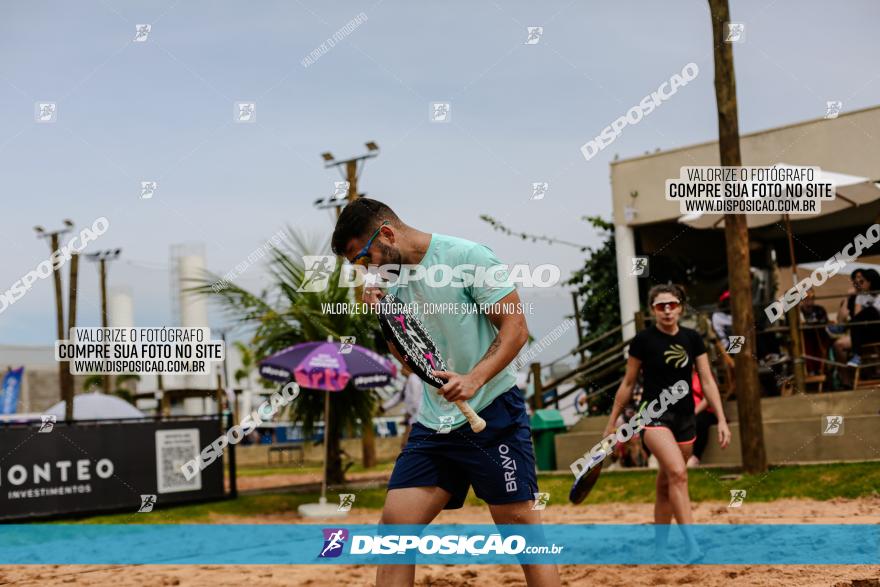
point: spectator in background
(812, 312)
(705, 417)
(766, 344)
(860, 306)
(411, 397)
(816, 340)
(722, 321)
(842, 341)
(631, 453)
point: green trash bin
(546, 424)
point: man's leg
(412, 505)
(521, 512)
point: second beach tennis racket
(583, 485)
(415, 345)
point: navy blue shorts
(498, 462)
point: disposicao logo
(334, 540)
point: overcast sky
(163, 110)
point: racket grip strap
(476, 422)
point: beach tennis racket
(584, 484)
(418, 350)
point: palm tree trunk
(335, 474)
(368, 444)
(748, 393)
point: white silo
(120, 307)
(189, 310)
(120, 314)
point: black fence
(55, 469)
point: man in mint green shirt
(463, 296)
(462, 333)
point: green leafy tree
(597, 288)
(282, 315)
(248, 364)
(596, 284)
(95, 382)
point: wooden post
(794, 323)
(71, 313)
(218, 396)
(63, 379)
(166, 404)
(538, 398)
(640, 321)
(748, 393)
(797, 349)
(160, 397)
(102, 267)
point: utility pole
(64, 381)
(351, 173)
(71, 305)
(102, 257)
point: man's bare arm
(512, 335)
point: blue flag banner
(728, 544)
(10, 391)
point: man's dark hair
(359, 219)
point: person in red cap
(722, 321)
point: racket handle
(476, 422)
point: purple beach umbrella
(323, 365)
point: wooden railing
(594, 367)
(598, 366)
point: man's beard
(390, 256)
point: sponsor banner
(730, 544)
(95, 467)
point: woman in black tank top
(666, 354)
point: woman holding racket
(666, 353)
(443, 457)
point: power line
(497, 225)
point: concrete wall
(792, 431)
(40, 389)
